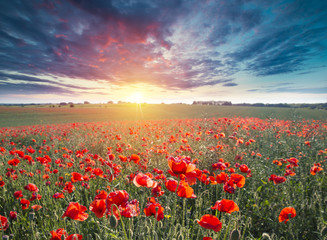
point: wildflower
(222, 178)
(154, 208)
(238, 179)
(144, 180)
(25, 203)
(180, 166)
(36, 207)
(171, 185)
(58, 195)
(276, 179)
(74, 237)
(135, 158)
(31, 187)
(4, 223)
(225, 205)
(56, 235)
(76, 177)
(316, 168)
(98, 207)
(18, 194)
(13, 162)
(13, 215)
(286, 214)
(156, 191)
(184, 190)
(210, 222)
(76, 211)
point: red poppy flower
(222, 178)
(171, 185)
(225, 205)
(69, 187)
(144, 180)
(18, 194)
(286, 214)
(58, 195)
(230, 187)
(36, 207)
(13, 162)
(117, 197)
(207, 238)
(156, 191)
(76, 211)
(4, 223)
(244, 168)
(76, 177)
(35, 196)
(276, 179)
(122, 158)
(13, 215)
(238, 179)
(25, 203)
(129, 209)
(219, 165)
(31, 187)
(316, 168)
(154, 208)
(185, 191)
(98, 207)
(98, 172)
(56, 235)
(210, 222)
(180, 166)
(135, 158)
(102, 195)
(74, 237)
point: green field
(43, 114)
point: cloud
(230, 84)
(32, 88)
(17, 77)
(172, 44)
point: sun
(136, 97)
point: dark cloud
(291, 38)
(32, 88)
(230, 84)
(16, 77)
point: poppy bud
(235, 235)
(113, 221)
(31, 216)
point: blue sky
(163, 51)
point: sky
(170, 51)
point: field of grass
(34, 115)
(162, 179)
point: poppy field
(211, 178)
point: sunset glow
(172, 51)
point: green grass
(34, 115)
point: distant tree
(227, 104)
(86, 102)
(110, 102)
